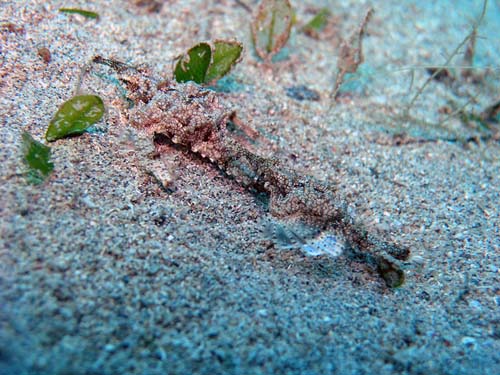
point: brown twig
(351, 54)
(244, 5)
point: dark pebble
(301, 92)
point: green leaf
(318, 23)
(225, 55)
(81, 12)
(193, 65)
(75, 116)
(36, 156)
(271, 27)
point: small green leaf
(318, 23)
(75, 116)
(36, 156)
(225, 55)
(193, 65)
(81, 12)
(271, 27)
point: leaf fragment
(271, 27)
(225, 55)
(75, 116)
(36, 157)
(317, 23)
(208, 61)
(81, 12)
(193, 65)
(351, 54)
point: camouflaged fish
(195, 119)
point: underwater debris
(36, 157)
(195, 120)
(44, 53)
(351, 54)
(492, 112)
(297, 234)
(193, 65)
(244, 5)
(317, 24)
(81, 12)
(12, 28)
(325, 243)
(225, 55)
(207, 62)
(441, 75)
(150, 6)
(302, 92)
(271, 27)
(468, 42)
(75, 116)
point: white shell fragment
(307, 238)
(324, 244)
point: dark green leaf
(193, 65)
(81, 12)
(225, 55)
(36, 156)
(75, 116)
(318, 23)
(271, 27)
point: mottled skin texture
(195, 119)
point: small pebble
(302, 92)
(262, 312)
(88, 202)
(160, 354)
(44, 53)
(469, 342)
(476, 305)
